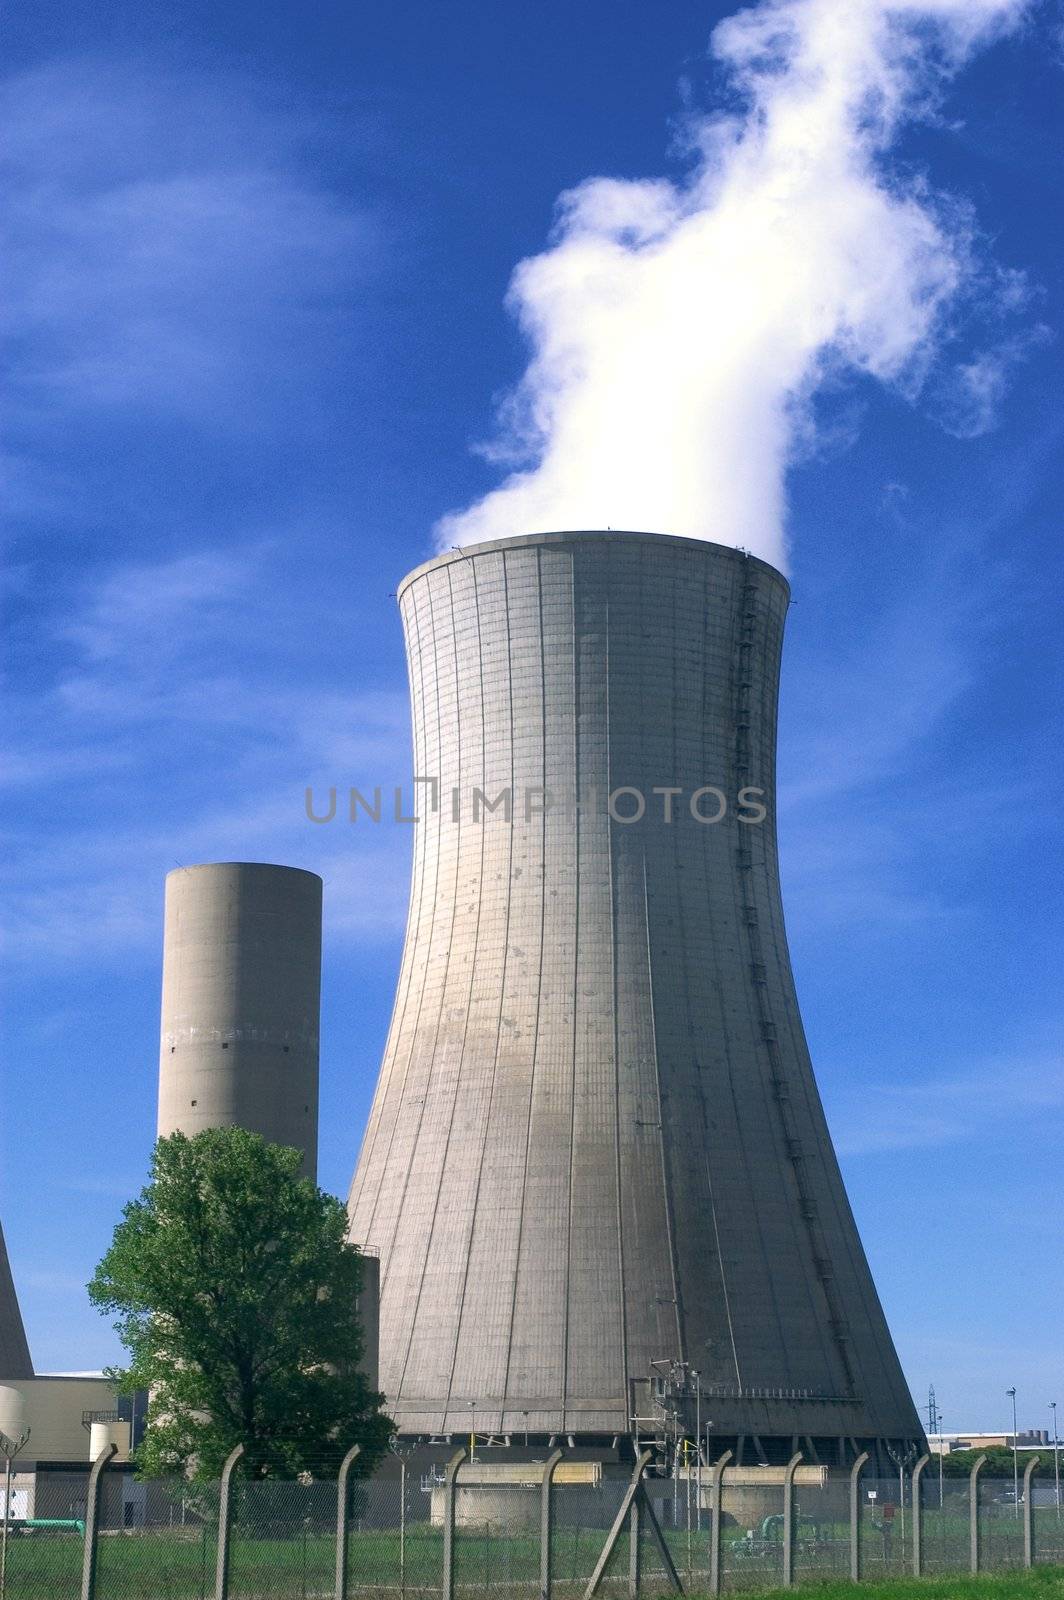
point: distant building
(70, 1417)
(1029, 1439)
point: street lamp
(1056, 1454)
(1015, 1454)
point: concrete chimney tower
(597, 1169)
(241, 1002)
(14, 1351)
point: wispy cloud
(680, 330)
(967, 400)
(870, 1113)
(185, 750)
(165, 246)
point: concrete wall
(14, 1351)
(596, 1140)
(241, 1003)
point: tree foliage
(235, 1291)
(999, 1463)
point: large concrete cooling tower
(597, 1161)
(14, 1351)
(241, 1002)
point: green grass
(1041, 1583)
(176, 1565)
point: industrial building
(67, 1418)
(597, 1170)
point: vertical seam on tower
(539, 976)
(679, 874)
(681, 907)
(419, 847)
(443, 989)
(476, 948)
(679, 1309)
(402, 994)
(670, 1227)
(729, 1068)
(610, 825)
(739, 755)
(576, 976)
(502, 995)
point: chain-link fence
(497, 1527)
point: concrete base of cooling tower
(507, 1494)
(750, 1493)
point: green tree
(959, 1463)
(235, 1291)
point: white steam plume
(678, 331)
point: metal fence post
(342, 1515)
(973, 1514)
(1028, 1514)
(448, 1521)
(788, 1518)
(855, 1517)
(546, 1524)
(634, 1484)
(635, 1549)
(225, 1520)
(717, 1518)
(918, 1518)
(92, 1521)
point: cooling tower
(597, 1162)
(14, 1351)
(241, 1000)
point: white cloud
(678, 331)
(969, 397)
(870, 1112)
(164, 246)
(162, 742)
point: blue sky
(257, 264)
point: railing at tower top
(724, 1391)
